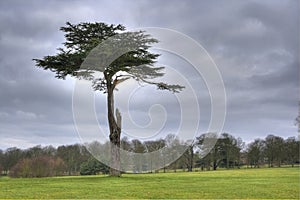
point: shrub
(42, 166)
(93, 167)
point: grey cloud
(254, 43)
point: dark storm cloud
(256, 46)
(254, 43)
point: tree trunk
(115, 134)
(215, 165)
(227, 158)
(191, 161)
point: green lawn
(276, 183)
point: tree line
(227, 152)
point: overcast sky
(255, 45)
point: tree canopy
(120, 56)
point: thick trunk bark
(115, 133)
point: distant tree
(153, 146)
(232, 147)
(255, 153)
(211, 156)
(173, 152)
(34, 152)
(274, 150)
(49, 151)
(238, 149)
(139, 161)
(93, 167)
(21, 169)
(41, 166)
(73, 156)
(59, 166)
(137, 63)
(126, 144)
(99, 150)
(1, 161)
(38, 150)
(10, 158)
(190, 157)
(291, 149)
(187, 158)
(226, 151)
(297, 120)
(138, 146)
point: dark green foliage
(82, 38)
(93, 167)
(85, 36)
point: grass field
(276, 183)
